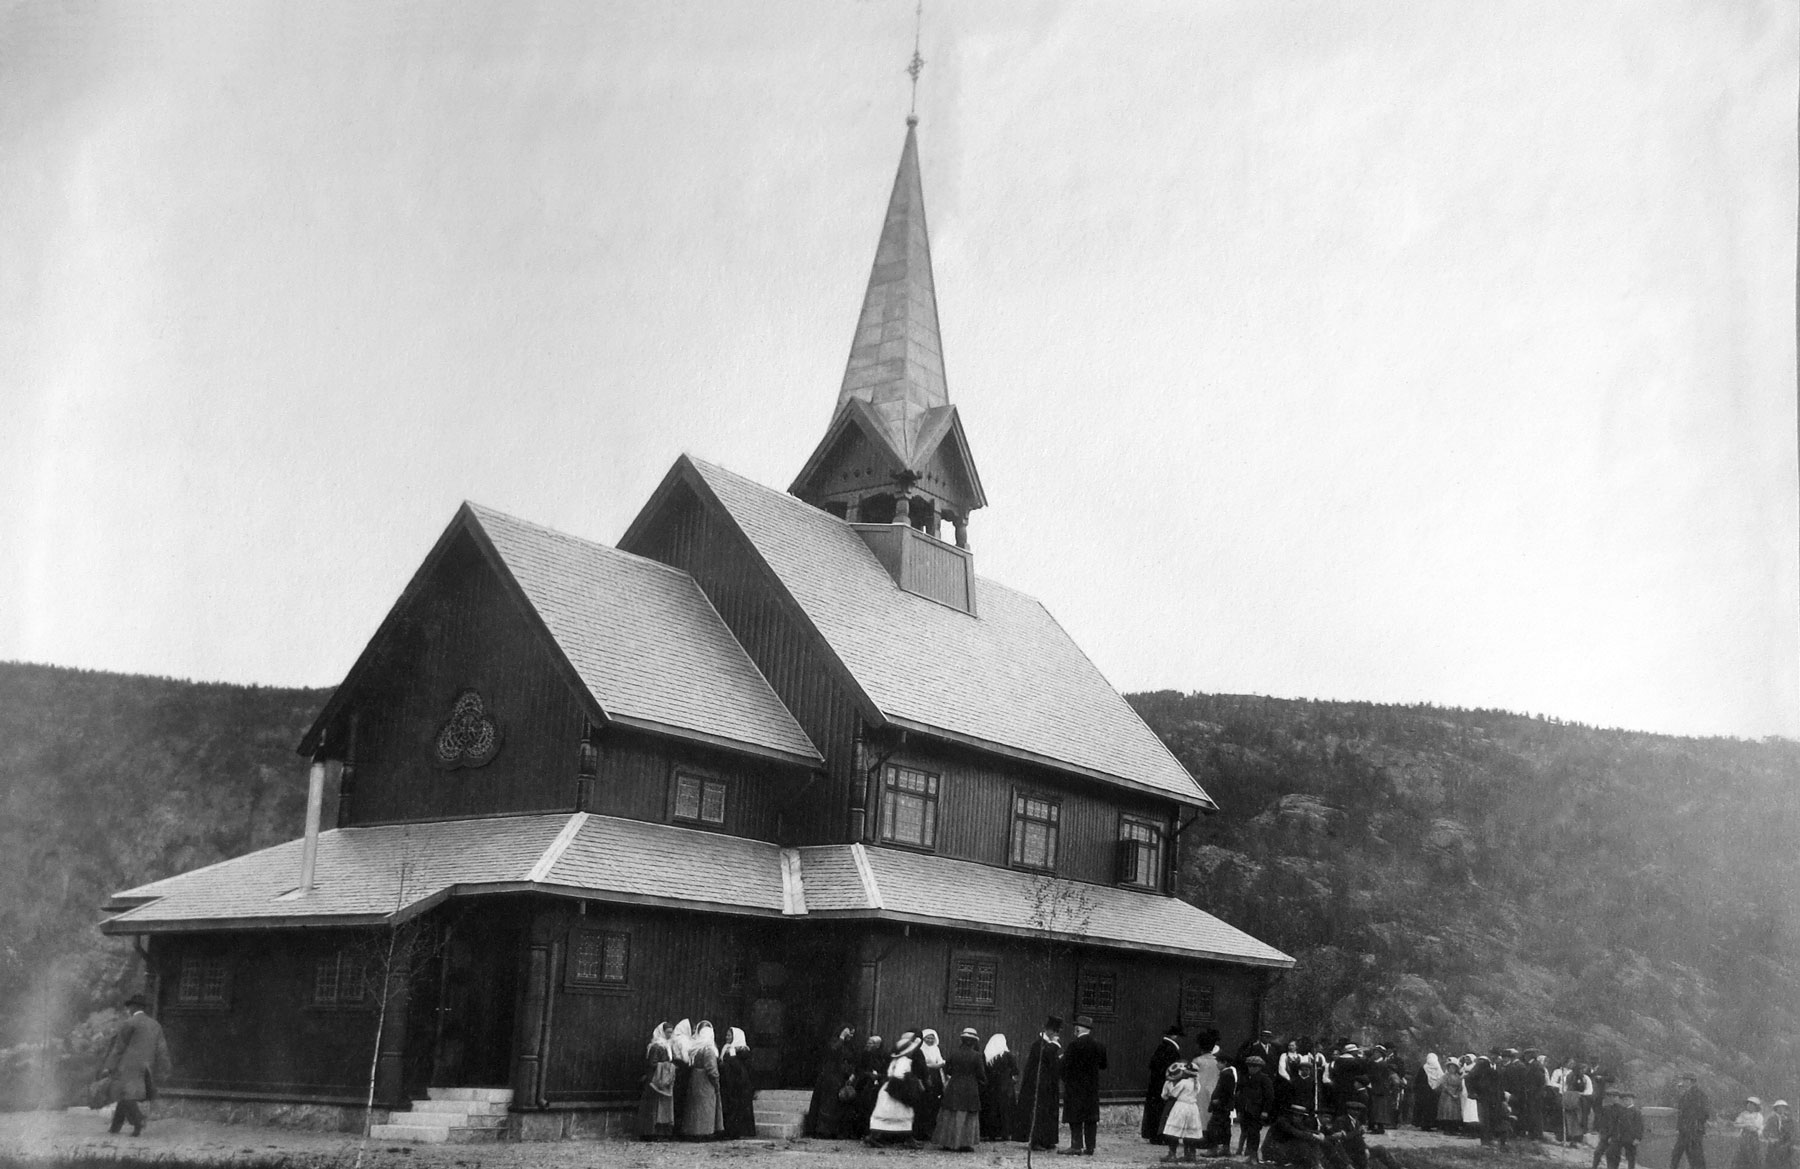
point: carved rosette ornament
(470, 738)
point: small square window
(699, 798)
(340, 979)
(909, 806)
(974, 982)
(1196, 1000)
(202, 982)
(1097, 992)
(600, 958)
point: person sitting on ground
(1295, 1139)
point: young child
(1627, 1131)
(1184, 1127)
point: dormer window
(699, 798)
(909, 801)
(1036, 824)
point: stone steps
(453, 1116)
(781, 1113)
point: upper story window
(204, 982)
(699, 798)
(909, 804)
(1140, 853)
(1034, 830)
(340, 979)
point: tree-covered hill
(1448, 878)
(1456, 879)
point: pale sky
(1394, 351)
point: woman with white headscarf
(1000, 1092)
(928, 1065)
(737, 1095)
(702, 1119)
(656, 1108)
(1425, 1093)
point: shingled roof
(391, 872)
(638, 638)
(1006, 676)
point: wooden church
(781, 760)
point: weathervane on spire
(915, 66)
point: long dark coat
(871, 1073)
(824, 1115)
(1081, 1068)
(1034, 1116)
(998, 1096)
(737, 1096)
(136, 1058)
(965, 1072)
(1167, 1052)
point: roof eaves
(719, 741)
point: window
(340, 979)
(1034, 831)
(202, 982)
(1140, 854)
(909, 807)
(699, 798)
(599, 958)
(1097, 992)
(974, 979)
(1196, 1001)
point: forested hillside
(1456, 879)
(1447, 878)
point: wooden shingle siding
(463, 632)
(726, 568)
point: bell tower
(895, 452)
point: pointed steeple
(897, 359)
(895, 449)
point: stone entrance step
(454, 1116)
(781, 1112)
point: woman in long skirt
(1425, 1093)
(958, 1125)
(928, 1065)
(702, 1118)
(836, 1072)
(1000, 1092)
(737, 1093)
(1450, 1098)
(656, 1108)
(1749, 1125)
(681, 1046)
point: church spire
(896, 358)
(895, 450)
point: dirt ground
(78, 1138)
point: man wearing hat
(1034, 1115)
(1262, 1044)
(1255, 1104)
(1168, 1051)
(1778, 1138)
(1606, 1124)
(1081, 1068)
(135, 1059)
(1692, 1111)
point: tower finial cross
(916, 66)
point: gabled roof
(939, 427)
(1007, 680)
(637, 639)
(392, 872)
(850, 880)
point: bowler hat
(1084, 1020)
(1053, 1023)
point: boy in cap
(1628, 1130)
(1255, 1101)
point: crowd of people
(1285, 1102)
(694, 1089)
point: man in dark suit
(1262, 1046)
(1081, 1068)
(1034, 1115)
(1167, 1053)
(136, 1058)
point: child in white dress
(1184, 1127)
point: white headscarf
(704, 1038)
(735, 1041)
(659, 1038)
(934, 1058)
(681, 1043)
(1434, 1071)
(996, 1047)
